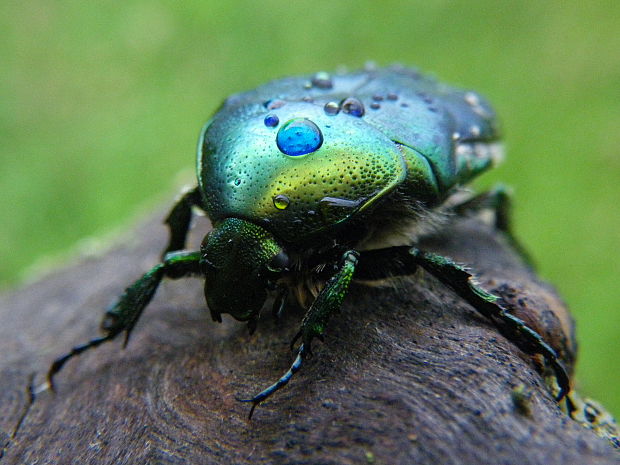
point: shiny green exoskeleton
(316, 180)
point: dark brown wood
(408, 374)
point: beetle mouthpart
(239, 259)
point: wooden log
(408, 373)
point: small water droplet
(339, 202)
(370, 66)
(331, 108)
(456, 136)
(307, 85)
(404, 105)
(322, 80)
(353, 107)
(377, 98)
(472, 99)
(237, 182)
(375, 106)
(271, 121)
(475, 131)
(281, 202)
(274, 104)
(308, 99)
(392, 96)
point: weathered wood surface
(408, 374)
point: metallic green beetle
(311, 181)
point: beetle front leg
(124, 314)
(179, 219)
(463, 283)
(313, 325)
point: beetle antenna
(258, 398)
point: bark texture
(408, 373)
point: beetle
(313, 181)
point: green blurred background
(101, 104)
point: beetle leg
(375, 264)
(179, 219)
(123, 315)
(286, 377)
(313, 325)
(464, 284)
(498, 200)
(279, 302)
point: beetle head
(240, 261)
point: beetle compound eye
(299, 136)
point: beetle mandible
(295, 176)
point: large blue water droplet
(299, 136)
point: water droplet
(307, 98)
(271, 121)
(307, 85)
(353, 107)
(404, 105)
(322, 80)
(377, 98)
(392, 96)
(456, 136)
(370, 66)
(281, 202)
(274, 104)
(331, 108)
(237, 182)
(334, 209)
(299, 136)
(339, 202)
(375, 106)
(475, 131)
(472, 99)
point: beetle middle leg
(374, 264)
(124, 314)
(179, 219)
(315, 321)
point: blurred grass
(101, 103)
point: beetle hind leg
(404, 260)
(463, 283)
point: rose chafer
(311, 182)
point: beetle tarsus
(57, 365)
(283, 381)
